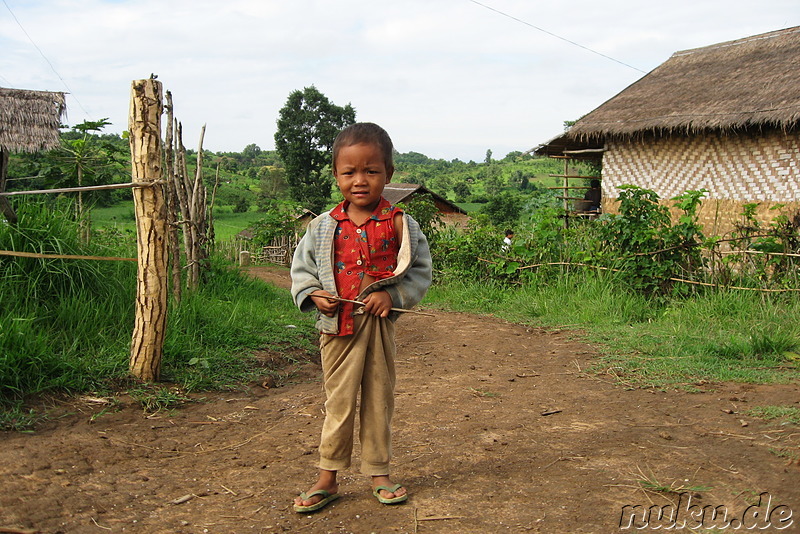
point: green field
(226, 223)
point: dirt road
(498, 428)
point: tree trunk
(144, 124)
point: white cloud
(448, 78)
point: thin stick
(82, 188)
(359, 303)
(60, 256)
(98, 525)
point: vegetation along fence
(161, 206)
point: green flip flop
(392, 489)
(327, 498)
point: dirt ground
(498, 428)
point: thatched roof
(579, 149)
(746, 83)
(29, 120)
(396, 192)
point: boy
(369, 251)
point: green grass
(226, 223)
(119, 216)
(66, 325)
(651, 483)
(784, 414)
(719, 336)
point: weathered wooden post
(144, 125)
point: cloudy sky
(447, 78)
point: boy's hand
(378, 303)
(325, 305)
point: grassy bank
(722, 335)
(66, 324)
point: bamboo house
(725, 118)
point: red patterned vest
(370, 248)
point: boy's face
(361, 175)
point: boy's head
(365, 133)
(509, 233)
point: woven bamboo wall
(735, 169)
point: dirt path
(498, 428)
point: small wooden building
(724, 117)
(450, 213)
(29, 122)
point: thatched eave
(745, 84)
(30, 120)
(565, 146)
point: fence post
(144, 125)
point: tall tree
(307, 127)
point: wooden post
(182, 186)
(566, 193)
(172, 203)
(5, 206)
(144, 124)
(197, 205)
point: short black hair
(368, 133)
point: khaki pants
(365, 361)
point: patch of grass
(786, 414)
(483, 394)
(651, 483)
(227, 224)
(15, 417)
(713, 336)
(213, 334)
(120, 216)
(155, 398)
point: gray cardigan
(312, 269)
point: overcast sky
(447, 78)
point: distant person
(507, 240)
(369, 252)
(593, 196)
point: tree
(504, 208)
(251, 152)
(271, 185)
(461, 189)
(88, 159)
(307, 127)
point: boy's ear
(389, 174)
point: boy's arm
(305, 274)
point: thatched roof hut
(30, 120)
(449, 212)
(725, 118)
